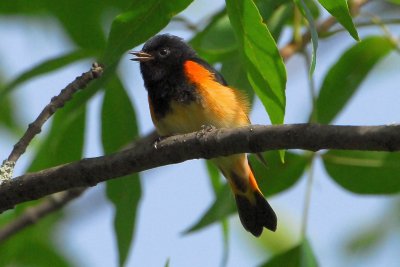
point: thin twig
(295, 46)
(307, 199)
(186, 23)
(312, 88)
(35, 127)
(361, 25)
(33, 214)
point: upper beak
(141, 56)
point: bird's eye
(163, 52)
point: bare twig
(186, 23)
(295, 46)
(218, 142)
(36, 126)
(32, 215)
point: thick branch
(204, 144)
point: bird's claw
(158, 140)
(205, 129)
(208, 128)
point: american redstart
(186, 93)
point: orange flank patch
(224, 106)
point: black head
(161, 56)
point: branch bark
(204, 144)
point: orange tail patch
(255, 213)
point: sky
(175, 196)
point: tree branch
(33, 214)
(203, 144)
(295, 46)
(6, 169)
(55, 201)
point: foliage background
(343, 229)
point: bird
(185, 94)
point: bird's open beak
(141, 56)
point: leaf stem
(360, 25)
(379, 22)
(312, 88)
(297, 26)
(307, 198)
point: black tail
(256, 216)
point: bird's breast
(181, 118)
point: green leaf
(347, 73)
(141, 21)
(299, 256)
(7, 111)
(364, 172)
(313, 30)
(119, 127)
(214, 175)
(235, 74)
(31, 252)
(217, 184)
(278, 176)
(279, 18)
(223, 206)
(119, 124)
(46, 67)
(32, 246)
(64, 142)
(268, 7)
(367, 240)
(41, 254)
(265, 69)
(217, 41)
(71, 14)
(125, 194)
(340, 10)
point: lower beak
(141, 56)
